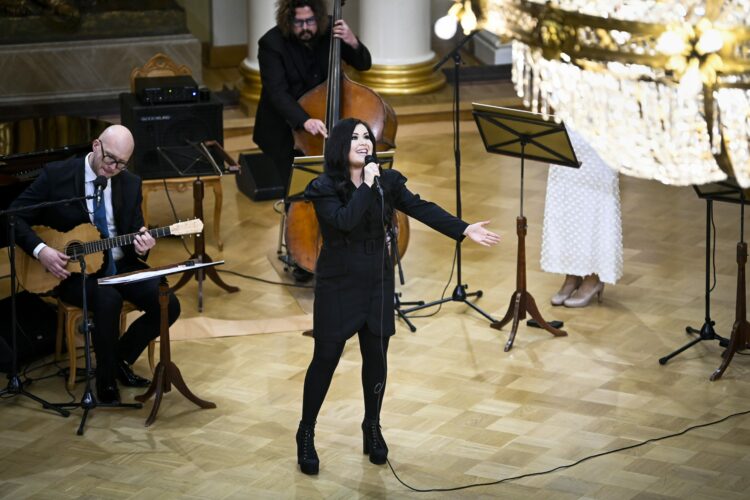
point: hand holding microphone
(372, 171)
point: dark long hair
(285, 14)
(338, 146)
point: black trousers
(105, 303)
(326, 355)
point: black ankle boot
(307, 458)
(373, 443)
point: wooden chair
(158, 65)
(68, 318)
(162, 65)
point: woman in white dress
(582, 234)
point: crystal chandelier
(660, 88)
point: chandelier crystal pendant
(660, 88)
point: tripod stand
(199, 252)
(166, 373)
(740, 338)
(88, 400)
(706, 331)
(397, 295)
(510, 132)
(459, 292)
(15, 385)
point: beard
(305, 36)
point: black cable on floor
(562, 467)
(442, 295)
(255, 278)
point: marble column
(398, 35)
(261, 16)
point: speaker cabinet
(168, 136)
(35, 337)
(258, 178)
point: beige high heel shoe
(584, 294)
(567, 289)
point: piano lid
(26, 145)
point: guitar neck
(119, 241)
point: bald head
(112, 150)
(119, 139)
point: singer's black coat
(354, 277)
(65, 179)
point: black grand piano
(26, 145)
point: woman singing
(354, 278)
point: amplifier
(167, 89)
(167, 136)
(259, 178)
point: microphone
(376, 181)
(99, 184)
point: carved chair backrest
(158, 65)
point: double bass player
(293, 58)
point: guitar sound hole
(74, 250)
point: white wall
(198, 13)
(229, 22)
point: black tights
(326, 357)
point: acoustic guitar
(84, 242)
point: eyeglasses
(110, 160)
(299, 23)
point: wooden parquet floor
(458, 410)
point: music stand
(199, 154)
(729, 192)
(740, 337)
(88, 400)
(521, 134)
(166, 372)
(459, 292)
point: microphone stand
(459, 292)
(15, 384)
(199, 245)
(88, 400)
(390, 232)
(392, 237)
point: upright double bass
(336, 98)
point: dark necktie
(100, 220)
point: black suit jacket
(65, 179)
(354, 275)
(288, 69)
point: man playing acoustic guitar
(116, 210)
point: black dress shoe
(107, 393)
(126, 376)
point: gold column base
(403, 79)
(249, 87)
